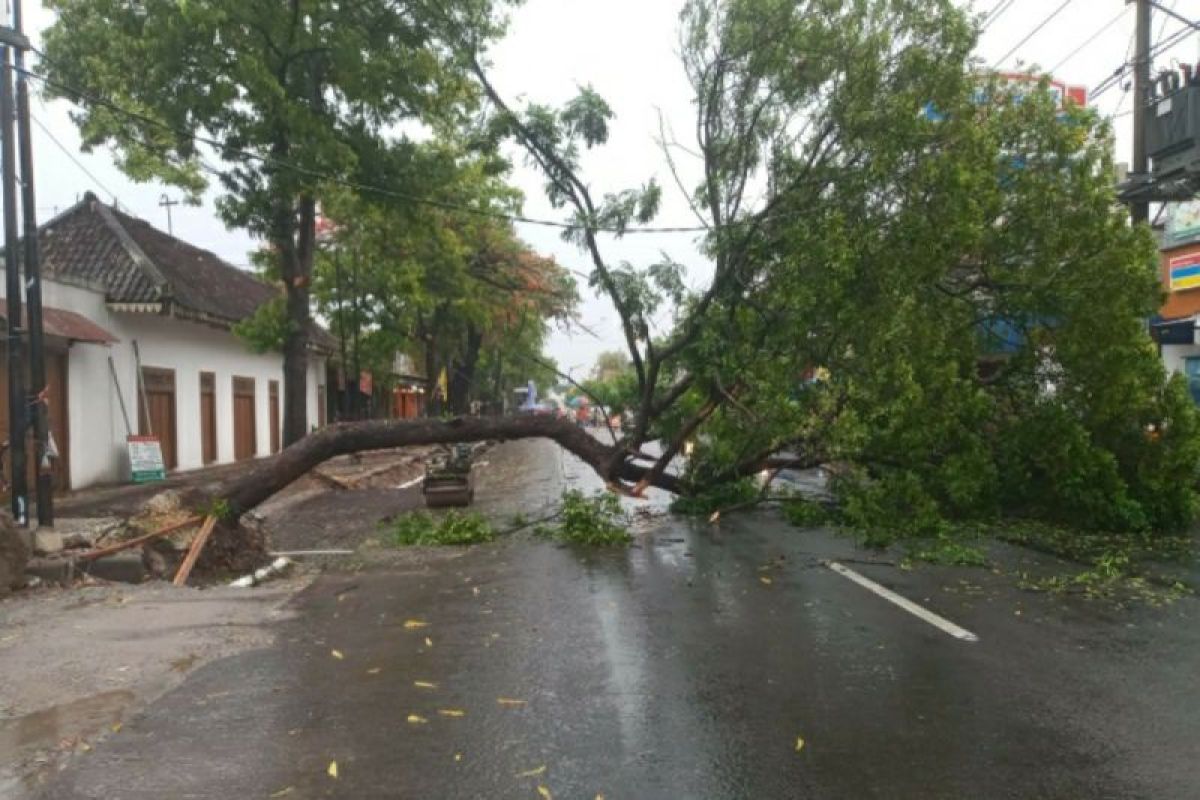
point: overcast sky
(627, 49)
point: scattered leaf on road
(799, 744)
(424, 685)
(337, 654)
(116, 727)
(766, 581)
(332, 771)
(544, 792)
(412, 624)
(508, 701)
(532, 773)
(452, 712)
(283, 792)
(458, 756)
(416, 719)
(428, 642)
(475, 589)
(374, 670)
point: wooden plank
(91, 555)
(193, 554)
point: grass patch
(451, 528)
(595, 521)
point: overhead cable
(1089, 40)
(1037, 29)
(228, 151)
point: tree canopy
(288, 96)
(949, 305)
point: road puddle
(22, 736)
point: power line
(1172, 12)
(1161, 47)
(1033, 32)
(67, 151)
(227, 151)
(996, 13)
(1090, 39)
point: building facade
(119, 294)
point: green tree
(963, 283)
(949, 305)
(461, 293)
(291, 94)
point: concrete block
(47, 541)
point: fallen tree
(245, 492)
(950, 304)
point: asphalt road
(672, 670)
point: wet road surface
(672, 670)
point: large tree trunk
(273, 474)
(463, 378)
(297, 276)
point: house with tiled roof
(124, 299)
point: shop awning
(1174, 331)
(65, 325)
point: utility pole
(166, 202)
(1140, 209)
(18, 485)
(33, 296)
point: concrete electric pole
(1140, 209)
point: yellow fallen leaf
(116, 727)
(766, 581)
(532, 773)
(424, 685)
(332, 771)
(716, 517)
(412, 624)
(374, 670)
(599, 797)
(337, 654)
(508, 701)
(544, 792)
(417, 720)
(458, 756)
(475, 590)
(452, 712)
(283, 792)
(428, 642)
(87, 748)
(799, 744)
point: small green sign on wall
(145, 459)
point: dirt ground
(78, 661)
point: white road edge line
(941, 623)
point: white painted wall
(1174, 355)
(97, 426)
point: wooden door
(273, 399)
(56, 403)
(208, 417)
(245, 429)
(156, 411)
